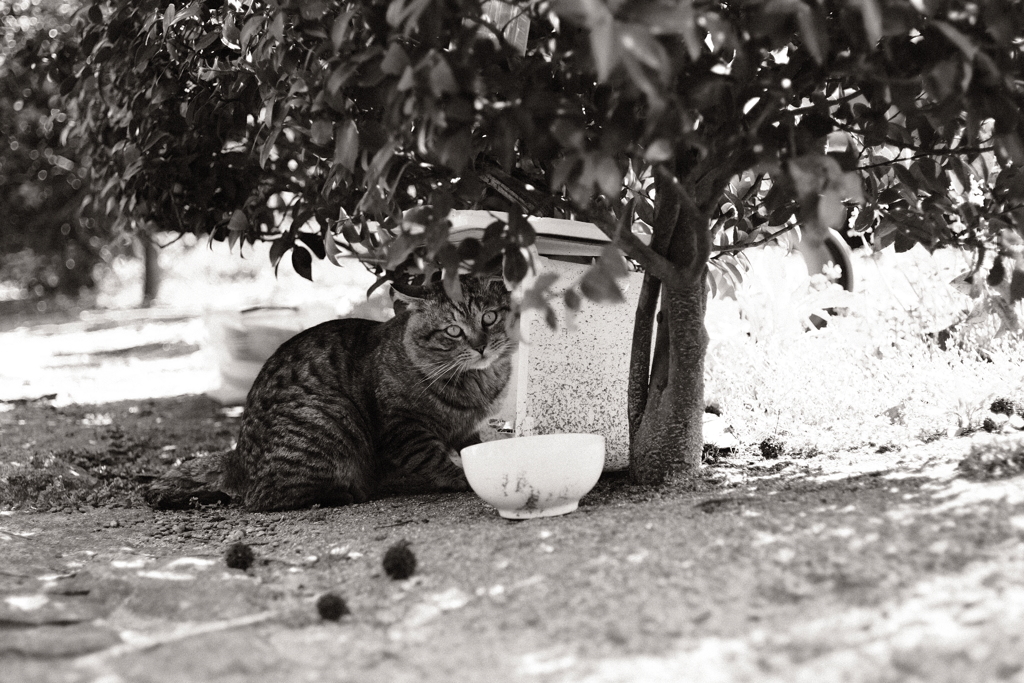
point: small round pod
(239, 556)
(399, 561)
(331, 607)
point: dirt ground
(865, 566)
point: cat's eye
(489, 317)
(453, 331)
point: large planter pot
(571, 379)
(242, 341)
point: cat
(344, 408)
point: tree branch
(927, 154)
(634, 248)
(666, 216)
(814, 107)
(638, 387)
(721, 251)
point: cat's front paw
(453, 483)
(451, 477)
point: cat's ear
(408, 290)
(492, 281)
(407, 293)
(498, 284)
(402, 301)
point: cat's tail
(200, 480)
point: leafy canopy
(319, 124)
(46, 244)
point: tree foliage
(356, 125)
(294, 120)
(46, 244)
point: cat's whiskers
(435, 372)
(462, 364)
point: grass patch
(999, 458)
(78, 457)
(875, 377)
(111, 476)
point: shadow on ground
(798, 569)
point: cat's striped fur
(349, 405)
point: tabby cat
(345, 407)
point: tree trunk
(151, 275)
(666, 388)
(670, 433)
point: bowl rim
(477, 449)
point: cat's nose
(478, 346)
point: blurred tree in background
(47, 245)
(331, 125)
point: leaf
(849, 186)
(315, 244)
(676, 18)
(814, 39)
(598, 283)
(613, 261)
(400, 12)
(169, 16)
(320, 131)
(89, 42)
(454, 151)
(550, 317)
(644, 209)
(468, 250)
(514, 267)
(1017, 284)
(452, 286)
(278, 248)
(997, 274)
(395, 60)
(349, 232)
(192, 11)
(442, 80)
(277, 26)
(638, 41)
(520, 229)
(806, 176)
(249, 29)
(608, 177)
(658, 151)
(604, 46)
(346, 145)
(1010, 147)
(96, 14)
(535, 296)
(380, 161)
(302, 262)
(572, 299)
(238, 221)
(68, 84)
(831, 211)
(871, 15)
(962, 42)
(268, 146)
(206, 41)
(229, 32)
(313, 10)
(339, 30)
(903, 242)
(399, 249)
(331, 250)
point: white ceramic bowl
(535, 476)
